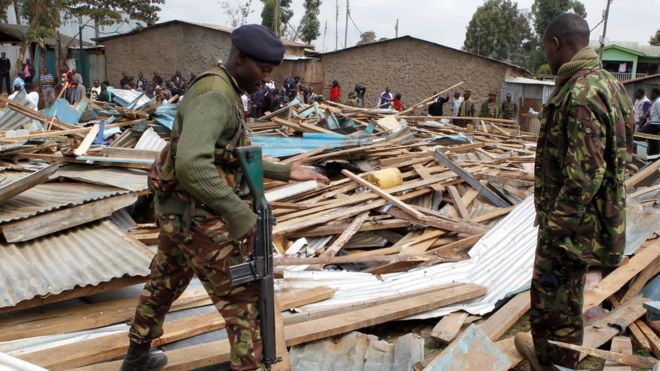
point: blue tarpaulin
(277, 146)
(165, 114)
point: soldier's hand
(300, 172)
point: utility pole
(348, 12)
(396, 28)
(337, 27)
(325, 31)
(602, 38)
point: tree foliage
(545, 11)
(268, 12)
(237, 11)
(655, 40)
(310, 25)
(498, 30)
(367, 38)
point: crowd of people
(269, 97)
(647, 117)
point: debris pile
(421, 219)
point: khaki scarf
(586, 58)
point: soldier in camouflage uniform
(205, 226)
(491, 108)
(579, 193)
(466, 109)
(509, 108)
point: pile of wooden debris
(421, 219)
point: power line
(352, 21)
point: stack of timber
(421, 219)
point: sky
(439, 21)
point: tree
(655, 40)
(498, 30)
(237, 11)
(310, 25)
(44, 17)
(367, 38)
(268, 12)
(546, 10)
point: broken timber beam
(490, 195)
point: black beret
(259, 43)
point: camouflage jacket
(579, 192)
(492, 110)
(509, 110)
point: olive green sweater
(207, 120)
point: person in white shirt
(246, 105)
(385, 99)
(456, 103)
(642, 106)
(95, 91)
(32, 98)
(652, 126)
(270, 85)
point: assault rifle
(260, 267)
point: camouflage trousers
(207, 252)
(557, 299)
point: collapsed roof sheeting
(88, 255)
(134, 180)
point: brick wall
(413, 68)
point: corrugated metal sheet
(52, 196)
(134, 180)
(150, 140)
(501, 261)
(10, 119)
(79, 257)
(278, 146)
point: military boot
(525, 346)
(139, 358)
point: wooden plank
(115, 284)
(331, 251)
(458, 203)
(500, 322)
(623, 359)
(440, 223)
(141, 154)
(457, 247)
(349, 259)
(493, 214)
(622, 275)
(305, 155)
(280, 341)
(384, 194)
(448, 327)
(86, 352)
(218, 351)
(290, 299)
(634, 328)
(290, 190)
(643, 174)
(428, 99)
(424, 174)
(345, 322)
(651, 336)
(87, 142)
(642, 279)
(326, 230)
(44, 224)
(304, 125)
(644, 191)
(623, 345)
(295, 224)
(57, 133)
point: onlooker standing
(125, 79)
(642, 106)
(456, 103)
(352, 99)
(78, 92)
(5, 67)
(28, 70)
(335, 91)
(360, 91)
(467, 109)
(385, 99)
(652, 125)
(95, 91)
(509, 108)
(79, 77)
(142, 82)
(436, 108)
(397, 103)
(157, 80)
(491, 108)
(19, 83)
(47, 82)
(177, 77)
(32, 98)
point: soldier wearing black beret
(205, 227)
